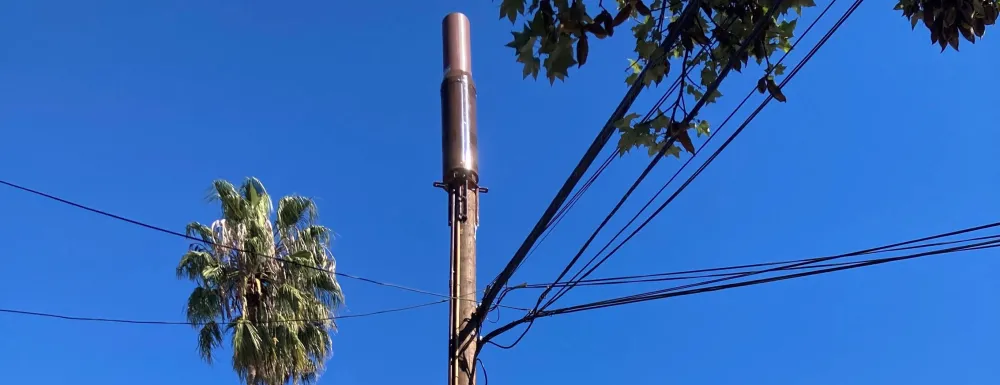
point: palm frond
(290, 299)
(204, 305)
(194, 263)
(295, 210)
(257, 199)
(209, 338)
(200, 230)
(233, 204)
(261, 302)
(247, 342)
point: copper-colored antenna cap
(457, 43)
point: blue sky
(135, 107)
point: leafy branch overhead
(557, 35)
(948, 20)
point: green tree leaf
(511, 9)
(559, 60)
(661, 122)
(555, 38)
(703, 128)
(779, 69)
(626, 121)
(708, 76)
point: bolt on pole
(460, 178)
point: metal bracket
(458, 203)
(443, 186)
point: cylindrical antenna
(458, 105)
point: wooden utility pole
(460, 155)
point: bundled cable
(812, 265)
(539, 311)
(738, 270)
(498, 283)
(582, 274)
(757, 30)
(561, 214)
(708, 286)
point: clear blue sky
(135, 107)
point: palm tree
(267, 284)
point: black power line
(531, 316)
(690, 289)
(561, 214)
(679, 170)
(707, 286)
(758, 29)
(711, 158)
(711, 272)
(209, 242)
(835, 257)
(588, 158)
(141, 322)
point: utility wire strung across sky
(689, 116)
(758, 28)
(561, 214)
(583, 272)
(656, 159)
(649, 115)
(607, 161)
(497, 284)
(210, 242)
(738, 270)
(141, 322)
(531, 316)
(707, 286)
(988, 242)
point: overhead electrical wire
(758, 29)
(142, 322)
(563, 290)
(719, 129)
(486, 377)
(734, 270)
(196, 239)
(612, 155)
(707, 286)
(679, 170)
(693, 288)
(840, 256)
(531, 316)
(500, 281)
(561, 214)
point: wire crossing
(712, 272)
(987, 242)
(539, 309)
(584, 272)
